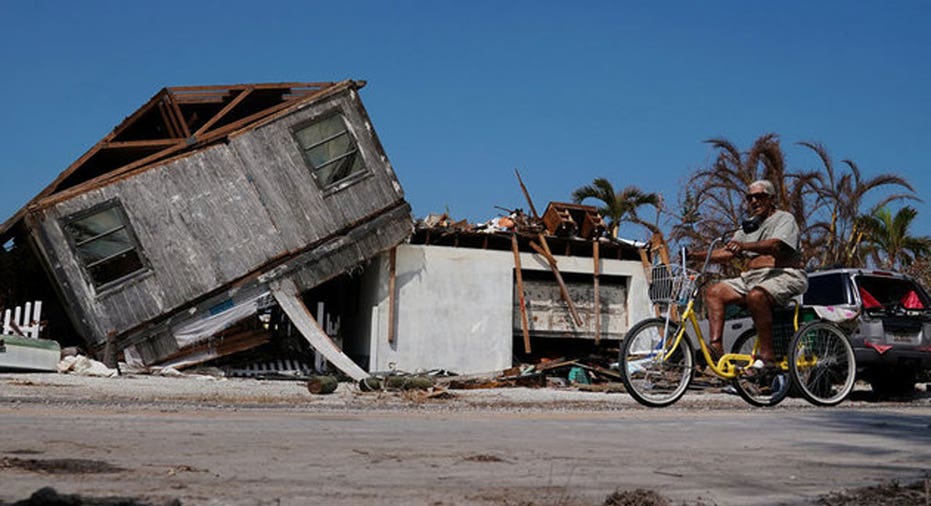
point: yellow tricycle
(657, 361)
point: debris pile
(416, 387)
(590, 373)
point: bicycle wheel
(653, 374)
(765, 389)
(822, 363)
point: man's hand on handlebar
(736, 248)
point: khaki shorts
(781, 284)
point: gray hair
(766, 185)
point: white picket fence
(287, 367)
(23, 321)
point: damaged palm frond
(837, 220)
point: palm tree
(839, 234)
(619, 207)
(888, 240)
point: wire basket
(671, 283)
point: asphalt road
(451, 452)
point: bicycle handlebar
(683, 253)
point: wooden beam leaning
(524, 323)
(545, 251)
(658, 244)
(597, 269)
(533, 210)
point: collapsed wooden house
(203, 209)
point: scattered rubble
(58, 466)
(583, 373)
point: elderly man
(773, 276)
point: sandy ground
(203, 440)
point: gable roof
(177, 120)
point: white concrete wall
(455, 306)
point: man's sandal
(762, 368)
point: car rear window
(827, 290)
(878, 292)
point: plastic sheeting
(220, 317)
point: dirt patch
(49, 497)
(639, 497)
(59, 466)
(916, 494)
(483, 458)
(643, 497)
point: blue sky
(462, 93)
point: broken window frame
(317, 169)
(78, 246)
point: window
(104, 243)
(330, 150)
(888, 292)
(827, 290)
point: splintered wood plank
(597, 269)
(524, 324)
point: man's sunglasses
(756, 196)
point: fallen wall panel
(289, 298)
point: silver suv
(891, 334)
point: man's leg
(760, 304)
(717, 296)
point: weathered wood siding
(219, 214)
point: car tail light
(911, 301)
(880, 348)
(869, 302)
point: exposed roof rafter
(174, 121)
